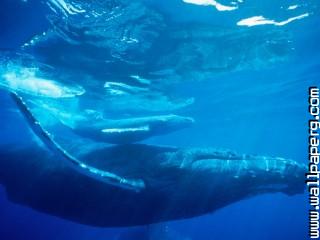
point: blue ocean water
(244, 82)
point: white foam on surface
(66, 7)
(261, 20)
(292, 7)
(218, 6)
(25, 80)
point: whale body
(168, 183)
(179, 183)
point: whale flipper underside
(74, 163)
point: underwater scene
(159, 120)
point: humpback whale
(130, 130)
(169, 183)
(92, 125)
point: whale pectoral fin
(125, 135)
(139, 129)
(92, 172)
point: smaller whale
(130, 130)
(93, 125)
